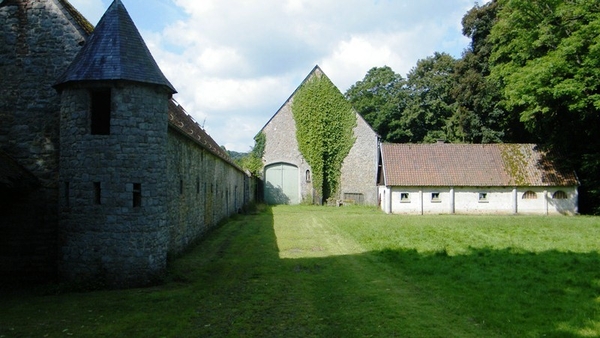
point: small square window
(404, 197)
(435, 197)
(483, 197)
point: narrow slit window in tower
(100, 102)
(137, 195)
(67, 194)
(97, 193)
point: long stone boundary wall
(203, 189)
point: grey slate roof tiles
(470, 165)
(115, 51)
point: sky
(234, 63)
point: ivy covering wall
(324, 129)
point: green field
(347, 272)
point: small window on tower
(97, 193)
(137, 195)
(67, 194)
(100, 102)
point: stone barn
(102, 174)
(473, 179)
(287, 175)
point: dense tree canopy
(530, 74)
(546, 55)
(380, 98)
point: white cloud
(235, 62)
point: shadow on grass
(550, 294)
(488, 292)
(234, 284)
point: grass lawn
(348, 272)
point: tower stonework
(113, 159)
(113, 201)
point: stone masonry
(38, 40)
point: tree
(430, 103)
(478, 118)
(380, 99)
(546, 58)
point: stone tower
(113, 148)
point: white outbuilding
(447, 178)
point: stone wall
(359, 170)
(113, 187)
(281, 146)
(202, 190)
(38, 40)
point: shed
(473, 178)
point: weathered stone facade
(102, 233)
(203, 189)
(359, 170)
(281, 146)
(38, 40)
(105, 205)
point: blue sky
(235, 62)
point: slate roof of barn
(115, 51)
(488, 165)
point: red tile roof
(446, 164)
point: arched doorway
(281, 184)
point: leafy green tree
(546, 59)
(252, 161)
(478, 118)
(380, 99)
(430, 103)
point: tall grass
(348, 272)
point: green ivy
(260, 141)
(324, 130)
(252, 161)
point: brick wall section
(114, 241)
(38, 40)
(359, 170)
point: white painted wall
(466, 200)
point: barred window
(560, 195)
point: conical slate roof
(115, 51)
